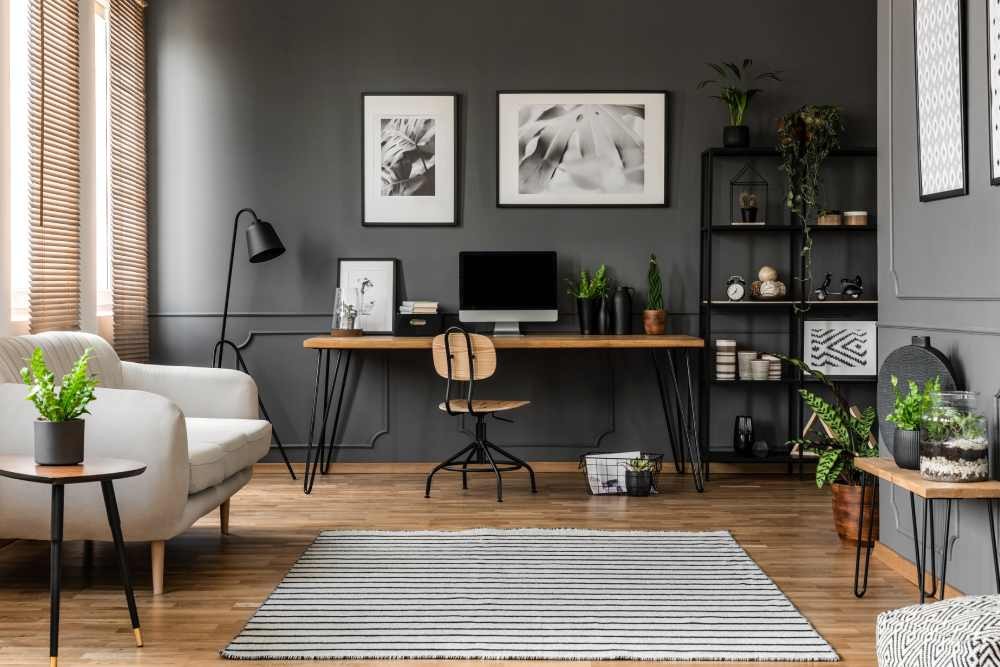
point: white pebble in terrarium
(954, 446)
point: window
(20, 163)
(102, 151)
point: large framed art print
(939, 49)
(582, 148)
(410, 165)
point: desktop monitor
(508, 288)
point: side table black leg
(115, 523)
(993, 541)
(55, 571)
(676, 452)
(860, 592)
(916, 549)
(944, 547)
(307, 479)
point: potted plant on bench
(908, 414)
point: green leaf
(828, 468)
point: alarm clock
(736, 288)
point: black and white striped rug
(528, 594)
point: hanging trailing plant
(806, 137)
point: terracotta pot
(845, 512)
(654, 322)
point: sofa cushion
(219, 448)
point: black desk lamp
(263, 245)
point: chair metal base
(482, 455)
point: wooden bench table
(930, 491)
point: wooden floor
(214, 583)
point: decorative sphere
(767, 273)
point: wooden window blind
(54, 127)
(129, 249)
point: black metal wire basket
(613, 474)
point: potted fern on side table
(59, 431)
(908, 413)
(846, 435)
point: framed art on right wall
(993, 81)
(939, 58)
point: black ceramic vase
(604, 316)
(59, 443)
(743, 435)
(586, 315)
(623, 311)
(736, 136)
(638, 482)
(906, 449)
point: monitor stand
(506, 328)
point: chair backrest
(61, 350)
(484, 356)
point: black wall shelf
(786, 318)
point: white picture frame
(582, 148)
(410, 159)
(841, 347)
(369, 284)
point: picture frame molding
(456, 110)
(395, 285)
(666, 147)
(964, 66)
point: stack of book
(418, 308)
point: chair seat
(219, 448)
(479, 407)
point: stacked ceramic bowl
(745, 358)
(725, 359)
(774, 369)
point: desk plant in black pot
(591, 295)
(59, 429)
(737, 87)
(908, 413)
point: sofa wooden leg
(157, 550)
(224, 517)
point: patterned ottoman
(960, 632)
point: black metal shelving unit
(712, 301)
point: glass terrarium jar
(954, 446)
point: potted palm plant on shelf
(908, 413)
(591, 295)
(654, 318)
(845, 436)
(59, 430)
(737, 86)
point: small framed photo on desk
(369, 285)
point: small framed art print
(582, 148)
(842, 347)
(410, 159)
(368, 286)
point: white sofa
(196, 429)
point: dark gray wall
(938, 264)
(257, 103)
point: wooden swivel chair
(463, 357)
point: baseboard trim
(410, 468)
(906, 569)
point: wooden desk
(686, 410)
(104, 471)
(930, 491)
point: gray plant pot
(906, 449)
(59, 443)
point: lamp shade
(263, 243)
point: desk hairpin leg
(688, 418)
(677, 453)
(340, 404)
(324, 447)
(920, 551)
(307, 478)
(870, 543)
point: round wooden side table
(104, 471)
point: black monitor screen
(507, 281)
